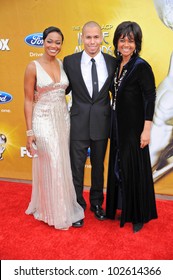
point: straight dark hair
(130, 29)
(52, 29)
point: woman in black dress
(130, 184)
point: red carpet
(23, 237)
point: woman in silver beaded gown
(53, 198)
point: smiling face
(92, 38)
(127, 39)
(53, 43)
(126, 45)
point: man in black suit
(90, 114)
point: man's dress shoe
(99, 212)
(78, 224)
(137, 227)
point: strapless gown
(53, 198)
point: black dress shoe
(99, 212)
(137, 227)
(78, 224)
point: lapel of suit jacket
(109, 69)
(108, 65)
(79, 74)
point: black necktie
(94, 78)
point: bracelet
(29, 132)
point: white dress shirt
(102, 72)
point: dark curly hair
(128, 28)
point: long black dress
(130, 184)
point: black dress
(130, 184)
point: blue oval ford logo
(5, 97)
(34, 40)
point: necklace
(117, 83)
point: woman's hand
(145, 139)
(29, 144)
(145, 135)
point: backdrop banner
(22, 24)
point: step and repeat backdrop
(22, 24)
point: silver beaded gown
(53, 198)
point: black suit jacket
(90, 119)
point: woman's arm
(147, 82)
(29, 86)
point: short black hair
(91, 24)
(52, 29)
(128, 28)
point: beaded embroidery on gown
(53, 198)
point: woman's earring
(135, 51)
(118, 53)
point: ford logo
(5, 97)
(34, 40)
